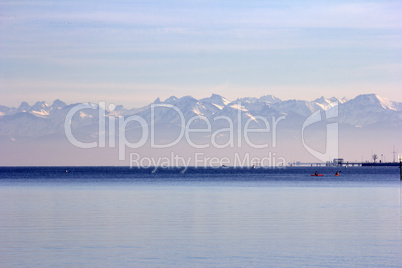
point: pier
(339, 162)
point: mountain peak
(270, 99)
(321, 99)
(157, 101)
(41, 103)
(216, 96)
(24, 107)
(119, 108)
(375, 101)
(171, 99)
(188, 97)
(334, 99)
(371, 97)
(58, 104)
(216, 99)
(40, 108)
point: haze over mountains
(367, 123)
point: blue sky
(131, 52)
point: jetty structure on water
(339, 162)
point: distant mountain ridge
(43, 119)
(43, 109)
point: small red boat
(317, 175)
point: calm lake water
(225, 217)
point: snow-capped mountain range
(43, 119)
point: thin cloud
(197, 45)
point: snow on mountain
(257, 105)
(363, 110)
(369, 109)
(387, 104)
(369, 103)
(267, 99)
(40, 109)
(25, 125)
(334, 99)
(164, 113)
(216, 100)
(234, 111)
(214, 103)
(372, 101)
(270, 99)
(326, 104)
(301, 107)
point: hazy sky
(132, 52)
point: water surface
(222, 217)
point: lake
(205, 217)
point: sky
(131, 52)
